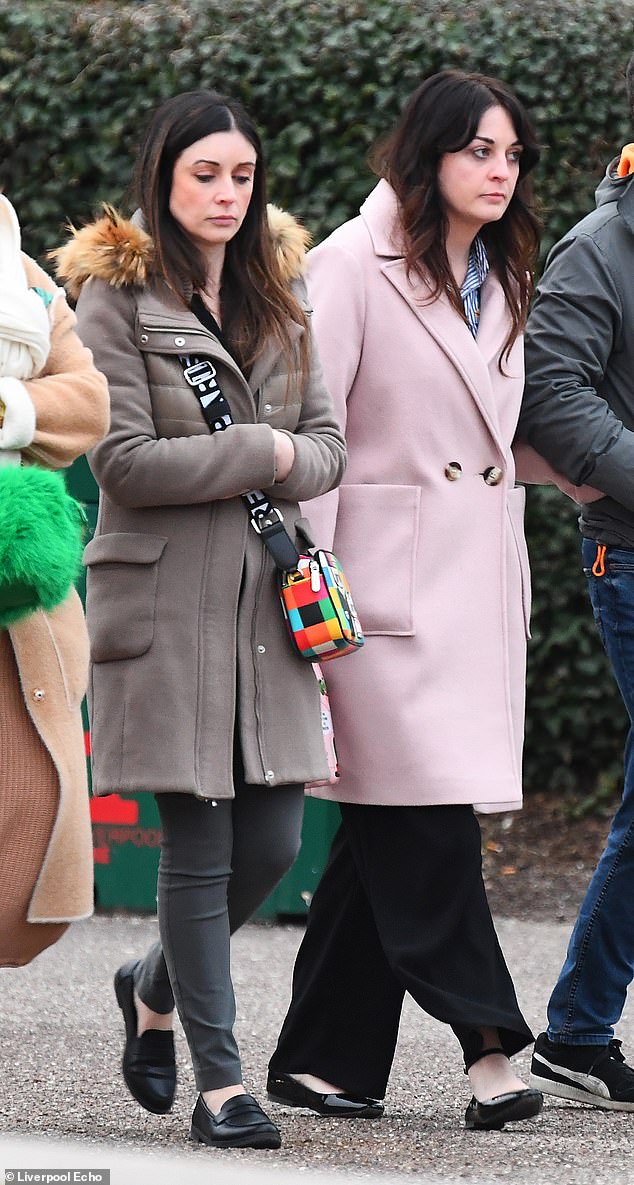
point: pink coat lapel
(470, 357)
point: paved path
(63, 1104)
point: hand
(284, 455)
(18, 417)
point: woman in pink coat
(419, 305)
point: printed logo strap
(201, 375)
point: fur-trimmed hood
(119, 251)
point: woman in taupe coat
(195, 692)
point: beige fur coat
(70, 401)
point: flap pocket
(376, 541)
(121, 593)
(124, 547)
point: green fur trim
(41, 541)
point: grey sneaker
(594, 1074)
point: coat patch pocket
(376, 539)
(121, 593)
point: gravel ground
(61, 1042)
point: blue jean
(589, 995)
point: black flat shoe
(240, 1123)
(149, 1061)
(504, 1108)
(282, 1088)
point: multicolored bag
(316, 600)
(319, 610)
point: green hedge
(323, 80)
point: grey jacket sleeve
(573, 329)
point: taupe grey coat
(183, 612)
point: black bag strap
(201, 375)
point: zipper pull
(315, 576)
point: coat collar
(120, 252)
(163, 314)
(626, 203)
(380, 214)
(472, 357)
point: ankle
(317, 1084)
(493, 1075)
(215, 1099)
(147, 1019)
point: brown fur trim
(290, 242)
(111, 249)
(114, 249)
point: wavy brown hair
(256, 300)
(443, 116)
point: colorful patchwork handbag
(319, 609)
(316, 599)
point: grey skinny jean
(219, 861)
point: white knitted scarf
(24, 322)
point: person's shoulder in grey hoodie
(578, 408)
(614, 197)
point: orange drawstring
(626, 163)
(598, 567)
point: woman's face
(477, 183)
(212, 184)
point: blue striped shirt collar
(477, 271)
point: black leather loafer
(240, 1123)
(149, 1061)
(504, 1108)
(282, 1088)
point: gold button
(493, 475)
(453, 471)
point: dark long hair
(256, 300)
(443, 116)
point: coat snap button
(493, 475)
(38, 694)
(261, 649)
(144, 337)
(453, 471)
(179, 341)
(269, 775)
(268, 407)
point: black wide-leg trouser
(401, 907)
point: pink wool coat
(428, 524)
